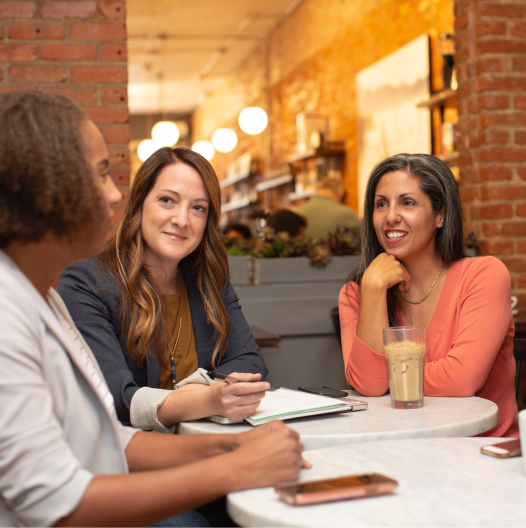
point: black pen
(229, 379)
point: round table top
(438, 417)
(441, 482)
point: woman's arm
(363, 315)
(482, 325)
(147, 497)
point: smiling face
(403, 218)
(174, 216)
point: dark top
(93, 299)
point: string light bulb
(146, 148)
(224, 139)
(165, 133)
(253, 120)
(205, 148)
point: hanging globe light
(205, 148)
(146, 148)
(224, 139)
(165, 133)
(253, 120)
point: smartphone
(325, 391)
(223, 420)
(349, 487)
(511, 448)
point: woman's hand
(271, 453)
(238, 400)
(384, 272)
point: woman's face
(98, 159)
(403, 217)
(174, 216)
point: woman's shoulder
(472, 267)
(350, 293)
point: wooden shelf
(319, 153)
(437, 99)
(236, 204)
(273, 182)
(227, 182)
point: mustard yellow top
(186, 353)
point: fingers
(306, 464)
(246, 376)
(238, 389)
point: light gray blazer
(58, 426)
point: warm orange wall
(314, 55)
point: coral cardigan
(469, 341)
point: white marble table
(439, 417)
(442, 482)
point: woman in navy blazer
(167, 247)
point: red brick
(85, 95)
(498, 136)
(497, 247)
(493, 102)
(119, 155)
(23, 30)
(108, 114)
(522, 173)
(517, 228)
(110, 31)
(69, 10)
(115, 95)
(115, 10)
(521, 209)
(521, 282)
(461, 22)
(521, 246)
(519, 64)
(520, 102)
(514, 263)
(116, 134)
(113, 52)
(489, 120)
(120, 175)
(503, 192)
(490, 28)
(519, 29)
(99, 74)
(37, 74)
(506, 154)
(17, 9)
(491, 212)
(501, 10)
(18, 52)
(501, 46)
(520, 137)
(68, 51)
(1, 31)
(490, 65)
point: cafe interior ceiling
(179, 49)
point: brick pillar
(491, 60)
(76, 49)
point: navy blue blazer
(93, 299)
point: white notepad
(284, 404)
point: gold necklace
(427, 294)
(172, 355)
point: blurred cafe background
(283, 94)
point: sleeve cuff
(143, 410)
(199, 376)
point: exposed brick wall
(314, 56)
(491, 59)
(76, 49)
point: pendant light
(224, 139)
(165, 133)
(253, 120)
(205, 148)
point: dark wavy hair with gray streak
(439, 184)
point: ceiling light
(146, 148)
(205, 148)
(224, 139)
(165, 133)
(253, 120)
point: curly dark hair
(46, 183)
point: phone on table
(325, 391)
(348, 487)
(511, 448)
(223, 420)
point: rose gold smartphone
(348, 487)
(511, 448)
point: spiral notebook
(285, 404)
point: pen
(229, 379)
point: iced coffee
(405, 365)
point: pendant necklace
(427, 294)
(172, 355)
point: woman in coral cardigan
(413, 271)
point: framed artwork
(388, 120)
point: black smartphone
(325, 391)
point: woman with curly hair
(157, 307)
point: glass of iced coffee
(405, 349)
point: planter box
(239, 269)
(300, 269)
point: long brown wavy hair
(142, 309)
